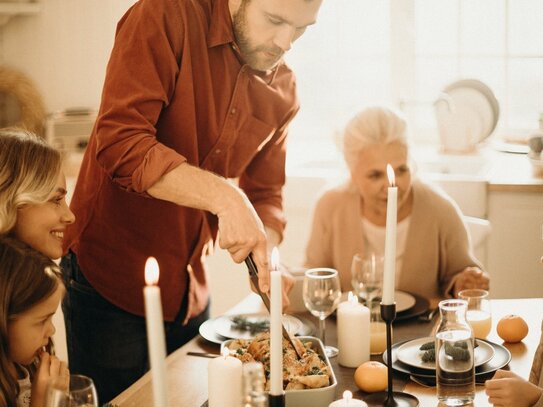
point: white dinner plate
(404, 301)
(224, 326)
(410, 354)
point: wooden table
(187, 375)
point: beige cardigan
(536, 374)
(437, 246)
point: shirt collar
(220, 30)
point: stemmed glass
(321, 293)
(82, 393)
(367, 277)
(367, 282)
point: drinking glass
(478, 315)
(367, 282)
(322, 292)
(367, 276)
(81, 393)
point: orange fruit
(371, 376)
(512, 328)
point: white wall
(64, 48)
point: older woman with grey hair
(433, 255)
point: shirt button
(218, 151)
(233, 111)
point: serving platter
(410, 354)
(320, 397)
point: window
(404, 53)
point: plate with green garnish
(247, 326)
(420, 352)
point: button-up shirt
(175, 91)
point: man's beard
(255, 57)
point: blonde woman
(33, 204)
(433, 250)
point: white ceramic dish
(478, 103)
(224, 326)
(321, 397)
(410, 354)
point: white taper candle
(155, 333)
(390, 240)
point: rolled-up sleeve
(135, 94)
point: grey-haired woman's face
(370, 175)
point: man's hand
(506, 389)
(241, 232)
(287, 282)
(471, 277)
(50, 370)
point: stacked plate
(225, 327)
(407, 358)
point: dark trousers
(109, 344)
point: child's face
(31, 330)
(42, 226)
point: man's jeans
(109, 344)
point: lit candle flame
(151, 271)
(274, 259)
(347, 396)
(390, 174)
(353, 299)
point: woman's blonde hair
(29, 169)
(371, 126)
(27, 278)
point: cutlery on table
(429, 315)
(253, 273)
(203, 354)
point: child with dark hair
(31, 288)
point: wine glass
(367, 282)
(81, 393)
(367, 276)
(321, 293)
(478, 315)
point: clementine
(371, 376)
(512, 328)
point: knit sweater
(437, 247)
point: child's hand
(506, 389)
(50, 370)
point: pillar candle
(276, 335)
(390, 240)
(353, 332)
(155, 333)
(348, 401)
(224, 375)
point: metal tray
(321, 397)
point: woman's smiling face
(42, 226)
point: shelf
(11, 9)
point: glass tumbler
(478, 315)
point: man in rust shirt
(196, 92)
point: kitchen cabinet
(515, 245)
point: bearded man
(196, 93)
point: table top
(187, 383)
